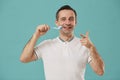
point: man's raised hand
(41, 30)
(85, 41)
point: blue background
(19, 19)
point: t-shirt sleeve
(87, 51)
(41, 48)
(89, 57)
(37, 52)
(87, 54)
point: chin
(68, 32)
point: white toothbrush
(57, 28)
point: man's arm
(28, 54)
(96, 63)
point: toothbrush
(57, 28)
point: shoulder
(77, 40)
(47, 42)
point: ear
(56, 22)
(75, 21)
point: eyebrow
(62, 18)
(65, 17)
(68, 18)
(71, 17)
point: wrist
(90, 45)
(92, 49)
(35, 36)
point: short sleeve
(86, 51)
(41, 48)
(89, 57)
(37, 52)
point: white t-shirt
(63, 60)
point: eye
(71, 18)
(63, 19)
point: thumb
(87, 34)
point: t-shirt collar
(68, 40)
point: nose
(67, 22)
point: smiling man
(66, 56)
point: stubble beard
(67, 33)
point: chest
(66, 54)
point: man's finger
(87, 34)
(82, 35)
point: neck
(67, 37)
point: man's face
(66, 19)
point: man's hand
(96, 63)
(41, 30)
(86, 40)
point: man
(66, 56)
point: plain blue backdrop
(19, 19)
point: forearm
(28, 49)
(97, 62)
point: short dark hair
(65, 7)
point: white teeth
(67, 27)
